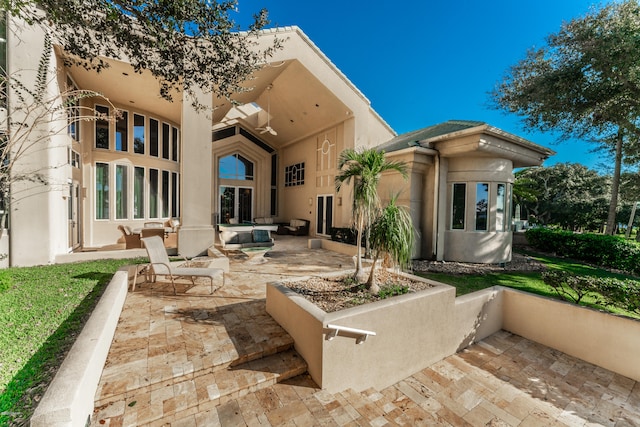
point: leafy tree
(568, 195)
(585, 83)
(391, 233)
(184, 43)
(365, 168)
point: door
(236, 204)
(74, 220)
(324, 215)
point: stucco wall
(415, 330)
(469, 244)
(609, 341)
(427, 326)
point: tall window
(166, 142)
(175, 144)
(73, 109)
(122, 132)
(138, 134)
(153, 137)
(3, 61)
(153, 193)
(501, 208)
(165, 194)
(235, 167)
(102, 127)
(174, 195)
(294, 175)
(482, 206)
(458, 206)
(138, 192)
(122, 194)
(102, 191)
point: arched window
(235, 167)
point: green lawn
(42, 310)
(530, 282)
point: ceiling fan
(268, 128)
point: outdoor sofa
(237, 240)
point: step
(202, 393)
(149, 370)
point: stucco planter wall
(412, 332)
(415, 330)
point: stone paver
(219, 360)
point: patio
(203, 360)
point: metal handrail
(362, 333)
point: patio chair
(131, 241)
(148, 232)
(159, 265)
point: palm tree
(366, 168)
(392, 232)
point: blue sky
(423, 62)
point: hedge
(605, 251)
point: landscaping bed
(337, 293)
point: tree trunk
(615, 184)
(359, 274)
(372, 285)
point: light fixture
(310, 201)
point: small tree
(365, 168)
(391, 233)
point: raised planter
(413, 331)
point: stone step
(199, 394)
(243, 344)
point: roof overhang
(489, 141)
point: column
(196, 233)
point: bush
(623, 294)
(606, 251)
(570, 287)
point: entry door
(236, 203)
(324, 215)
(74, 220)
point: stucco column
(196, 233)
(441, 207)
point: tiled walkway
(219, 360)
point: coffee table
(256, 254)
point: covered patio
(204, 360)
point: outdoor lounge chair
(131, 241)
(159, 265)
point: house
(272, 154)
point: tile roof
(412, 139)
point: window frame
(121, 192)
(100, 121)
(478, 220)
(124, 141)
(105, 193)
(144, 134)
(455, 214)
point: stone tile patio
(220, 360)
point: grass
(42, 310)
(530, 281)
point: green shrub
(605, 251)
(392, 291)
(623, 294)
(570, 287)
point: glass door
(324, 215)
(236, 204)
